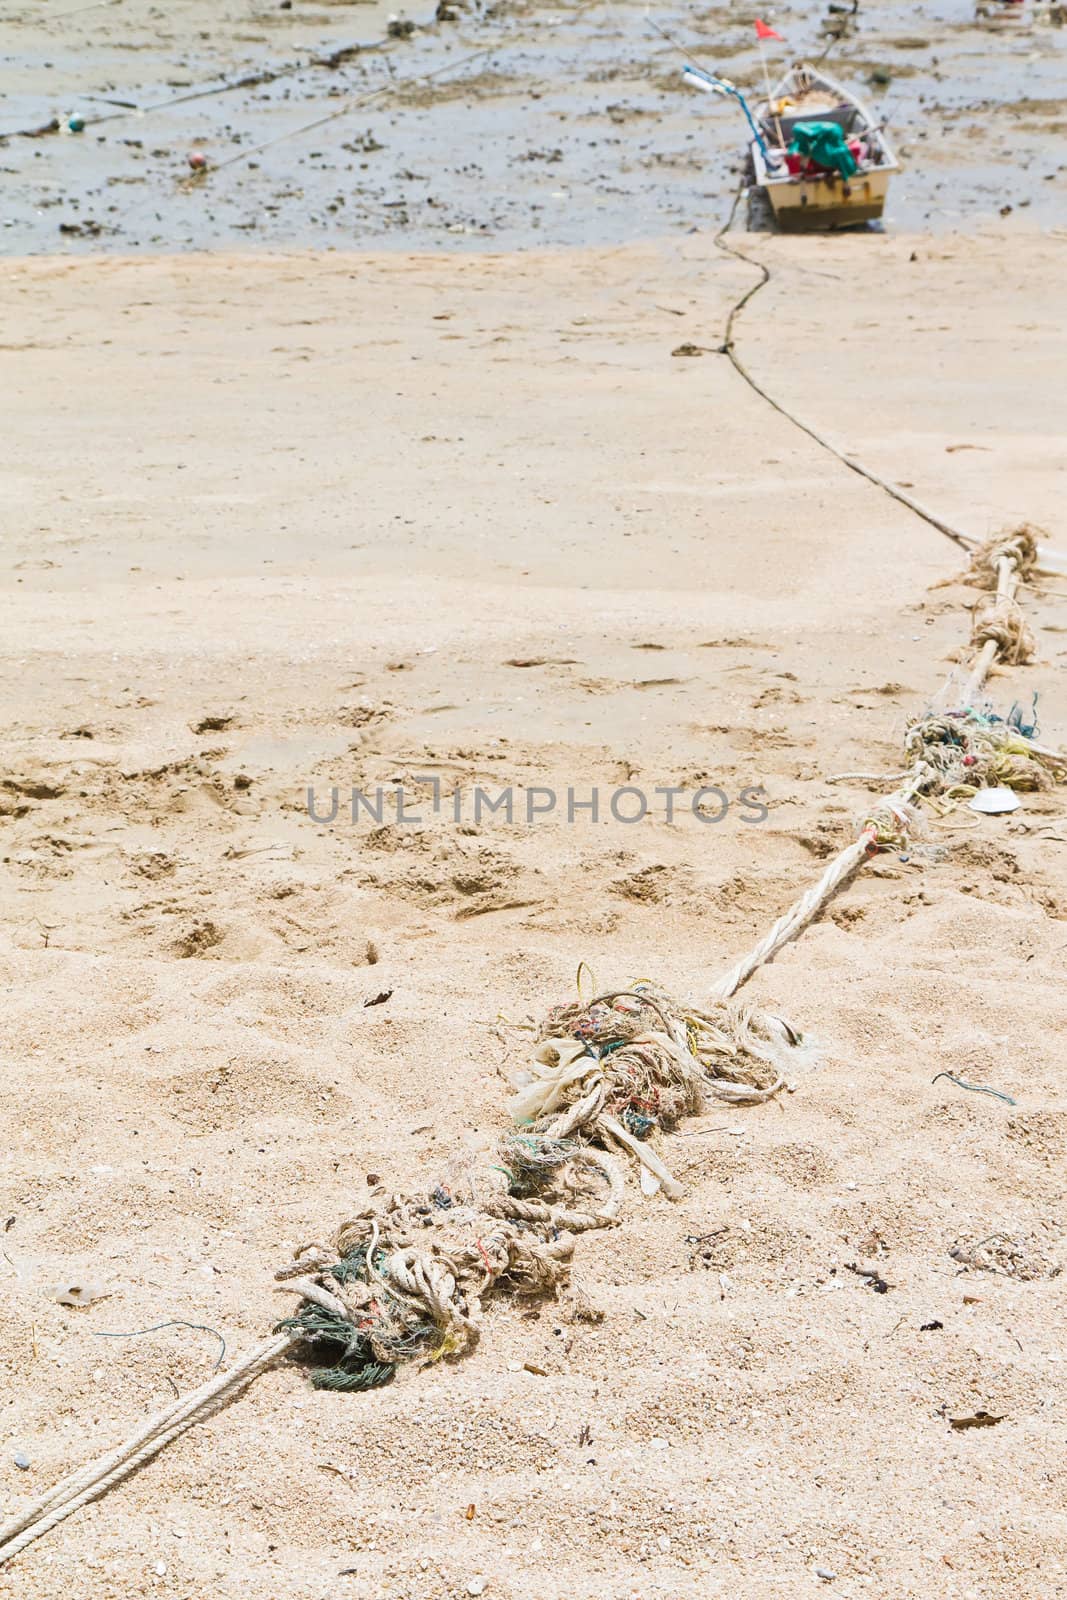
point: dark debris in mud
(504, 124)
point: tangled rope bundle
(965, 751)
(1018, 545)
(405, 1283)
(631, 1061)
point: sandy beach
(362, 519)
(514, 541)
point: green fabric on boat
(824, 143)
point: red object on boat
(801, 168)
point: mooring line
(728, 348)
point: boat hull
(807, 205)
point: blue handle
(726, 87)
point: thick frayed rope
(1018, 545)
(887, 827)
(406, 1283)
(1009, 556)
(955, 753)
(1001, 622)
(971, 748)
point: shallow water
(569, 126)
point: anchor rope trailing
(404, 1282)
(728, 348)
(78, 1488)
(953, 753)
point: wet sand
(339, 519)
(541, 126)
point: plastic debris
(78, 1292)
(198, 160)
(991, 802)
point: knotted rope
(1018, 545)
(1000, 622)
(405, 1283)
(967, 747)
(1000, 616)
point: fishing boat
(819, 154)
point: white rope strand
(74, 1491)
(1011, 558)
(1007, 584)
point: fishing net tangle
(968, 747)
(405, 1281)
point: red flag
(763, 32)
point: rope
(1011, 557)
(866, 777)
(1007, 584)
(611, 1068)
(1000, 627)
(365, 99)
(885, 828)
(1020, 546)
(74, 1491)
(728, 348)
(1023, 541)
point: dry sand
(347, 519)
